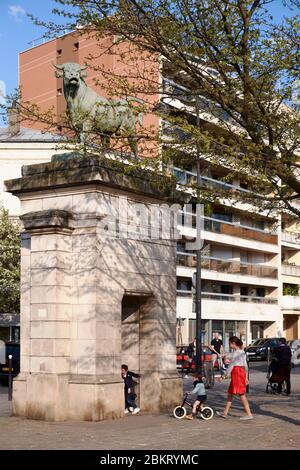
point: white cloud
(17, 12)
(2, 92)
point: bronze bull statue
(90, 112)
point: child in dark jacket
(129, 391)
(198, 389)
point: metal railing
(229, 228)
(189, 177)
(184, 293)
(290, 269)
(227, 265)
(229, 297)
(290, 237)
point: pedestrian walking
(129, 390)
(238, 369)
(216, 346)
(191, 353)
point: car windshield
(257, 342)
(262, 342)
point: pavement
(275, 425)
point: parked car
(258, 351)
(182, 357)
(13, 349)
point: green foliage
(290, 289)
(9, 265)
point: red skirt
(238, 381)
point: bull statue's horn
(58, 67)
(83, 68)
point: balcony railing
(227, 266)
(230, 297)
(229, 228)
(290, 237)
(290, 270)
(189, 177)
(184, 293)
(290, 302)
(238, 298)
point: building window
(76, 46)
(59, 52)
(59, 92)
(15, 334)
(222, 216)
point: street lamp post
(198, 265)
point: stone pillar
(76, 281)
(46, 339)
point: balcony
(290, 237)
(189, 220)
(241, 231)
(189, 177)
(290, 302)
(290, 270)
(230, 297)
(229, 307)
(227, 266)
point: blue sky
(17, 30)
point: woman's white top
(238, 359)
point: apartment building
(249, 261)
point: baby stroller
(276, 380)
(179, 412)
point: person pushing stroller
(280, 367)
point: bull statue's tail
(132, 98)
(138, 100)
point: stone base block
(52, 397)
(160, 392)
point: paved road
(276, 425)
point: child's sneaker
(126, 411)
(130, 409)
(136, 410)
(189, 417)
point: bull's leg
(85, 131)
(105, 140)
(132, 140)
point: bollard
(10, 377)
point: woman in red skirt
(238, 369)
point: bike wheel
(207, 413)
(271, 388)
(179, 412)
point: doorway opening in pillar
(133, 338)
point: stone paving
(276, 425)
